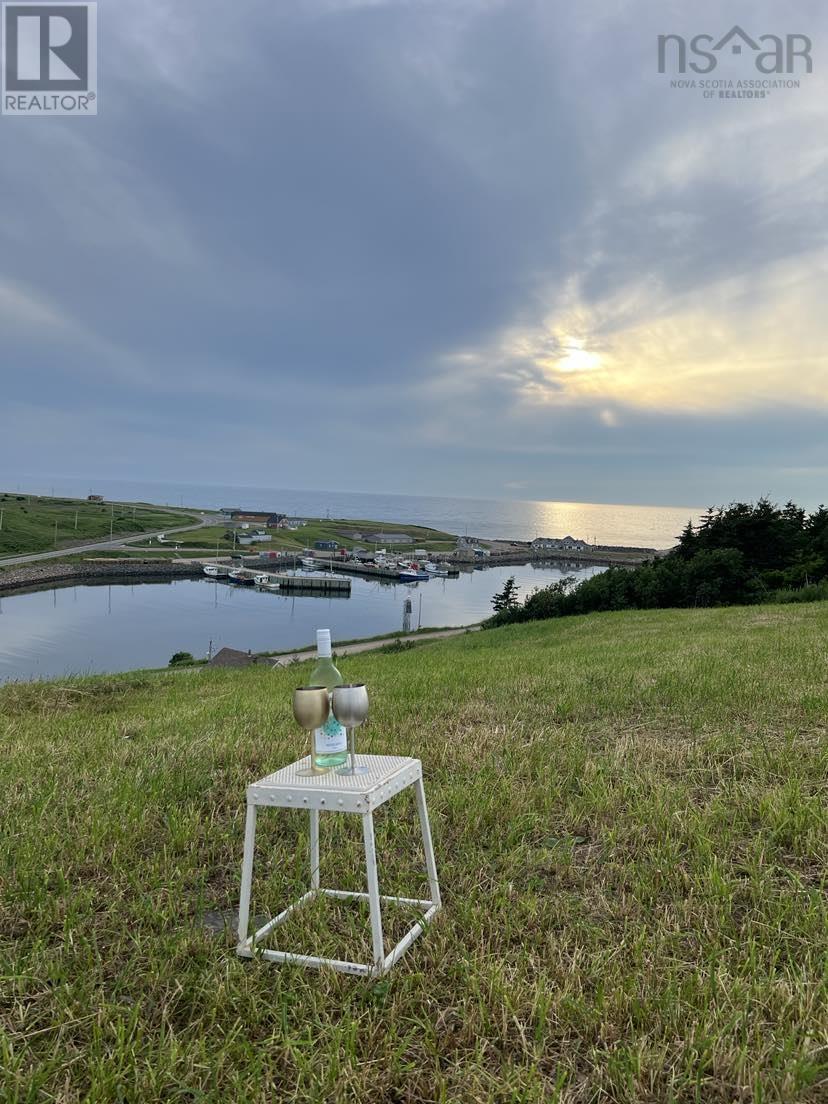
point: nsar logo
(771, 53)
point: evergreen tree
(506, 599)
(686, 541)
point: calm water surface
(86, 629)
(640, 526)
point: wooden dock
(319, 584)
(373, 571)
(346, 567)
(368, 571)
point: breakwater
(35, 575)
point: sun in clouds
(576, 358)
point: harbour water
(87, 629)
(639, 526)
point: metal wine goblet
(350, 707)
(311, 708)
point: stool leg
(314, 848)
(428, 847)
(373, 892)
(247, 871)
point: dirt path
(372, 645)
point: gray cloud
(374, 224)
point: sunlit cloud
(739, 344)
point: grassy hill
(29, 522)
(338, 529)
(629, 812)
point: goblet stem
(352, 768)
(312, 771)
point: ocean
(597, 523)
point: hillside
(630, 823)
(34, 524)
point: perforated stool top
(356, 793)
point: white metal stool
(337, 793)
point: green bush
(181, 659)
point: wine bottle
(330, 742)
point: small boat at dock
(241, 578)
(413, 575)
(437, 570)
(216, 571)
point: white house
(556, 544)
(257, 537)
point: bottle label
(331, 738)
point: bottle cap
(323, 643)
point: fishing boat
(241, 578)
(261, 580)
(216, 571)
(309, 562)
(436, 569)
(413, 575)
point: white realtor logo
(28, 48)
(49, 58)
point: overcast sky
(473, 247)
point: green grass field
(334, 529)
(28, 523)
(629, 813)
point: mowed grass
(31, 524)
(629, 814)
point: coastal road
(372, 645)
(120, 542)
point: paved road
(371, 645)
(120, 542)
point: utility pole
(1, 521)
(56, 528)
(76, 521)
(112, 521)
